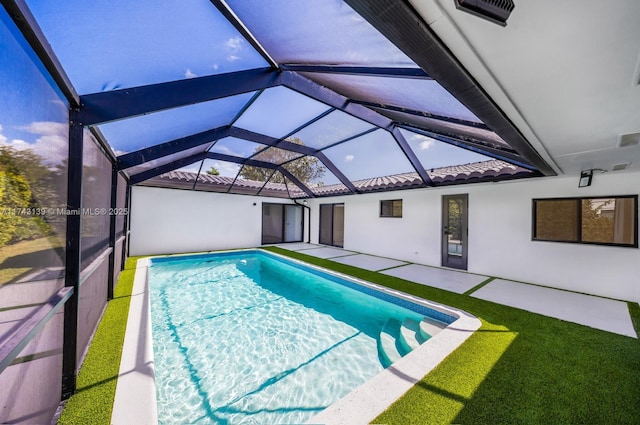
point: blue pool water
(249, 338)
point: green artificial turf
(518, 368)
(96, 383)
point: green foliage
(307, 169)
(27, 184)
(213, 171)
(15, 194)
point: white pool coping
(135, 400)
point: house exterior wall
(169, 221)
(500, 225)
(500, 219)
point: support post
(127, 218)
(112, 232)
(72, 253)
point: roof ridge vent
(630, 139)
(496, 11)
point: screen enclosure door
(454, 231)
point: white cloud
(51, 145)
(216, 66)
(189, 74)
(226, 150)
(349, 158)
(234, 46)
(425, 142)
(234, 43)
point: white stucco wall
(168, 221)
(171, 221)
(499, 233)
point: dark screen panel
(121, 210)
(96, 200)
(34, 148)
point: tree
(24, 182)
(213, 171)
(307, 169)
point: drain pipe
(304, 204)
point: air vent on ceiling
(496, 11)
(631, 139)
(620, 167)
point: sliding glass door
(281, 223)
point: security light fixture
(585, 178)
(496, 11)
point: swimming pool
(251, 338)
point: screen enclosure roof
(281, 98)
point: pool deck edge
(135, 398)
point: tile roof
(467, 173)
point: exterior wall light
(585, 178)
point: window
(391, 208)
(602, 220)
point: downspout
(304, 205)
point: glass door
(332, 224)
(454, 231)
(293, 222)
(281, 223)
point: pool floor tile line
(588, 310)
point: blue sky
(137, 43)
(141, 42)
(32, 113)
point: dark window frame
(392, 215)
(579, 238)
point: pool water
(249, 338)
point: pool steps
(398, 339)
(410, 335)
(387, 347)
(429, 327)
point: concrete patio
(588, 310)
